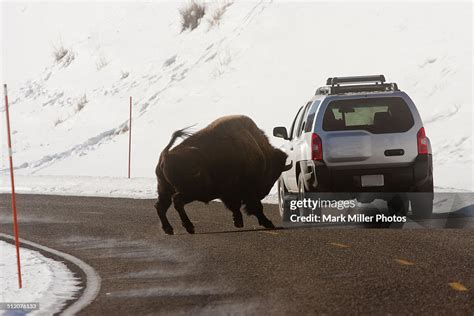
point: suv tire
(302, 194)
(398, 204)
(422, 202)
(284, 198)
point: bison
(231, 160)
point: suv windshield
(375, 115)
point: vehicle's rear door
(368, 132)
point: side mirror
(280, 132)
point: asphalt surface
(224, 270)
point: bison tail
(178, 134)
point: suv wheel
(422, 202)
(282, 196)
(302, 194)
(398, 204)
(284, 199)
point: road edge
(93, 280)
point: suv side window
(292, 130)
(302, 122)
(311, 115)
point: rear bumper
(407, 178)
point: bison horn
(288, 166)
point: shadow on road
(239, 231)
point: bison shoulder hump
(231, 120)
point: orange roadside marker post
(130, 139)
(12, 178)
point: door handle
(394, 152)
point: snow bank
(45, 281)
(264, 59)
(136, 188)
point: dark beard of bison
(278, 166)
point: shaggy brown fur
(231, 159)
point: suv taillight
(316, 147)
(422, 142)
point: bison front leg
(162, 206)
(179, 202)
(256, 208)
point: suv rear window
(375, 115)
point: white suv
(359, 135)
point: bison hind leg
(179, 201)
(234, 206)
(162, 205)
(255, 207)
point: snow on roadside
(135, 188)
(45, 281)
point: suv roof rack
(375, 83)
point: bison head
(279, 164)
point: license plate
(373, 180)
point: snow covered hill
(264, 59)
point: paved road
(225, 270)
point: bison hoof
(168, 230)
(268, 224)
(238, 223)
(190, 229)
